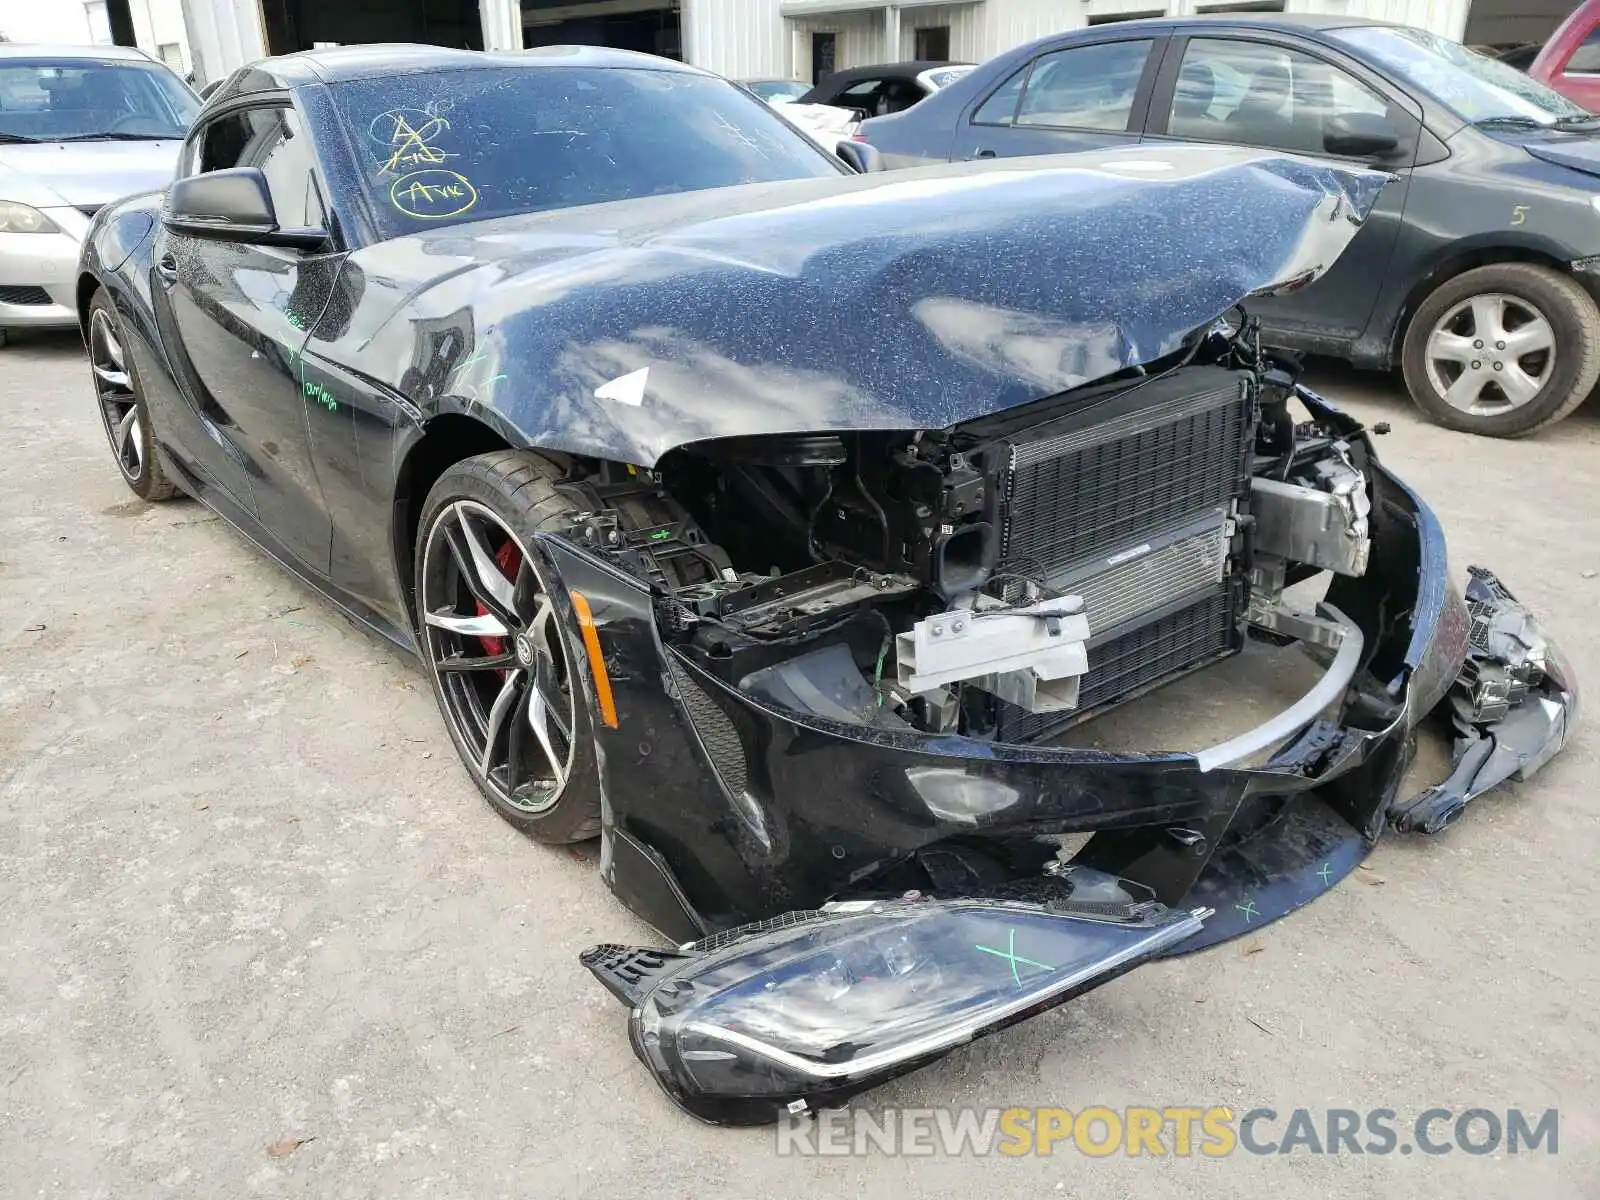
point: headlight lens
(812, 1012)
(20, 218)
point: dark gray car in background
(1476, 273)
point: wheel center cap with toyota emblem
(524, 648)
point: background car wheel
(497, 646)
(1503, 350)
(122, 407)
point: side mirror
(860, 157)
(233, 206)
(1360, 135)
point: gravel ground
(249, 898)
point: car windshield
(54, 99)
(778, 91)
(1476, 87)
(468, 145)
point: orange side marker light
(597, 660)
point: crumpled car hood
(918, 299)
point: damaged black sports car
(786, 526)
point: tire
(515, 705)
(123, 411)
(1492, 394)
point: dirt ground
(248, 898)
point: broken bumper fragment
(1512, 707)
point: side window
(898, 95)
(1585, 59)
(290, 165)
(1085, 87)
(274, 140)
(1001, 107)
(222, 142)
(1255, 94)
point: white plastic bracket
(1032, 655)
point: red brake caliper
(509, 560)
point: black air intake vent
(23, 295)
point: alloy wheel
(1490, 353)
(498, 656)
(119, 406)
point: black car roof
(356, 62)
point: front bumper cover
(45, 262)
(720, 810)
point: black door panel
(355, 424)
(240, 314)
(167, 379)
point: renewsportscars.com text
(1212, 1132)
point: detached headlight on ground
(20, 218)
(806, 1011)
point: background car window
(1001, 108)
(880, 97)
(1586, 58)
(274, 140)
(1257, 94)
(942, 77)
(55, 98)
(445, 147)
(1086, 87)
(778, 91)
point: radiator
(1144, 657)
(1128, 503)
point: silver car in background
(79, 126)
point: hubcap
(119, 407)
(499, 659)
(1490, 354)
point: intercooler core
(1129, 503)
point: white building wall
(968, 29)
(1448, 17)
(223, 36)
(859, 40)
(742, 39)
(747, 39)
(62, 21)
(156, 23)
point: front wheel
(1503, 350)
(497, 646)
(123, 410)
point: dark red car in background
(1570, 60)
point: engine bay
(1008, 578)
